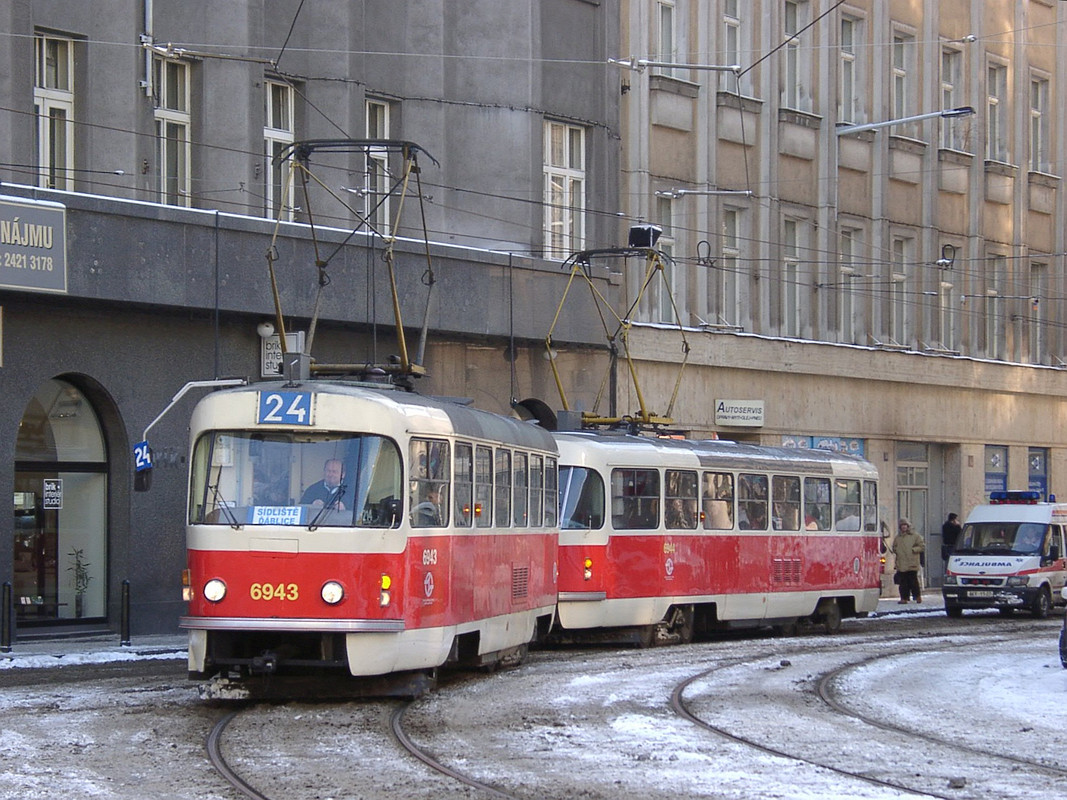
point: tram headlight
(332, 592)
(215, 590)
(385, 596)
(588, 568)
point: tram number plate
(979, 593)
(284, 408)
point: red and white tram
(437, 544)
(663, 537)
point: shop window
(60, 507)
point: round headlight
(332, 592)
(214, 590)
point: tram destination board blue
(33, 245)
(284, 408)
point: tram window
(521, 490)
(483, 487)
(430, 481)
(681, 500)
(870, 506)
(785, 511)
(635, 499)
(752, 502)
(718, 501)
(817, 504)
(551, 492)
(318, 479)
(537, 490)
(503, 488)
(847, 504)
(464, 485)
(581, 498)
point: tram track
(837, 760)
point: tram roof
(465, 420)
(716, 452)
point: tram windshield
(279, 478)
(581, 498)
(1018, 538)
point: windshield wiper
(221, 503)
(335, 498)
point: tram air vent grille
(787, 570)
(520, 583)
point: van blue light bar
(1015, 497)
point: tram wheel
(829, 613)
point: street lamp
(674, 194)
(639, 65)
(948, 113)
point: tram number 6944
(270, 591)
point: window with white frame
(667, 30)
(278, 184)
(173, 124)
(790, 282)
(951, 97)
(564, 191)
(851, 244)
(796, 72)
(902, 86)
(376, 181)
(1037, 305)
(727, 277)
(996, 272)
(850, 79)
(1039, 124)
(997, 112)
(53, 102)
(733, 45)
(667, 287)
(899, 286)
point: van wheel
(1042, 604)
(954, 611)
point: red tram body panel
(758, 535)
(439, 539)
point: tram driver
(329, 491)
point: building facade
(864, 206)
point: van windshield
(1016, 538)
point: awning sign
(739, 413)
(33, 245)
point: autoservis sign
(33, 245)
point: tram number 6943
(270, 591)
(429, 557)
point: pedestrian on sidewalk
(950, 532)
(908, 549)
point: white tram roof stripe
(417, 409)
(618, 448)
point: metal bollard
(7, 611)
(124, 634)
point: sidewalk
(92, 649)
(932, 602)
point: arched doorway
(60, 547)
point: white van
(1010, 555)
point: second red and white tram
(661, 538)
(364, 529)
